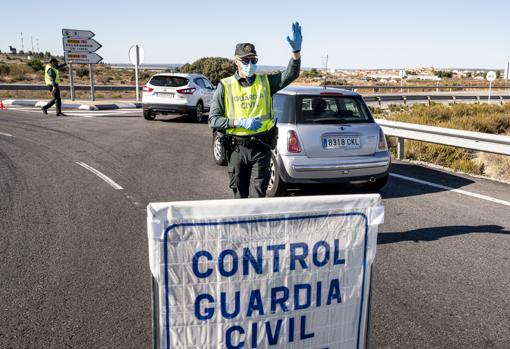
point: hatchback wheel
(276, 186)
(148, 115)
(218, 150)
(199, 112)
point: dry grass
(485, 118)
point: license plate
(351, 142)
(165, 94)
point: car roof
(315, 90)
(182, 75)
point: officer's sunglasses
(247, 61)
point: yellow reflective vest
(248, 102)
(47, 78)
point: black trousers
(248, 168)
(55, 94)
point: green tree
(214, 68)
(312, 73)
(443, 74)
(36, 65)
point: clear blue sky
(355, 34)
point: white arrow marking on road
(459, 191)
(6, 134)
(100, 175)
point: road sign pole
(71, 81)
(136, 70)
(91, 72)
(490, 88)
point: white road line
(100, 175)
(6, 134)
(459, 191)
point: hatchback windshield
(331, 110)
(168, 81)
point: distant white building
(424, 77)
(383, 76)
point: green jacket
(217, 119)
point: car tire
(198, 113)
(377, 185)
(149, 115)
(276, 186)
(218, 150)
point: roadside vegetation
(485, 118)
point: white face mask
(249, 69)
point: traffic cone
(2, 106)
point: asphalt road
(73, 249)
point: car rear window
(168, 81)
(332, 110)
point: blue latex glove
(297, 38)
(250, 123)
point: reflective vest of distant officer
(47, 76)
(242, 108)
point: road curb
(99, 106)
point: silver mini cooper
(325, 136)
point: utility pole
(22, 45)
(325, 64)
(32, 39)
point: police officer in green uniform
(52, 80)
(242, 108)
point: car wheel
(218, 150)
(148, 115)
(378, 184)
(276, 186)
(199, 112)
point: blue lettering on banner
(228, 337)
(195, 266)
(208, 312)
(300, 296)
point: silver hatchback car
(325, 136)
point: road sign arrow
(78, 33)
(80, 45)
(82, 57)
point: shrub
(36, 65)
(4, 69)
(82, 71)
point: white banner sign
(264, 273)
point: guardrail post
(400, 148)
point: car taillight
(382, 141)
(187, 91)
(293, 145)
(147, 89)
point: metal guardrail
(30, 87)
(485, 142)
(421, 87)
(347, 87)
(397, 99)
